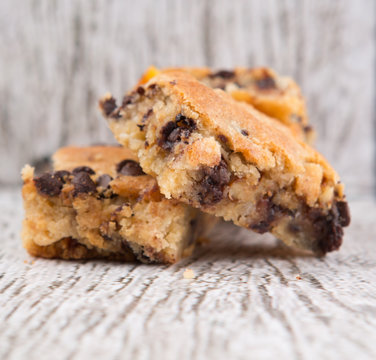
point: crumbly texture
(227, 159)
(274, 95)
(98, 203)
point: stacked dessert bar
(196, 145)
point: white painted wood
(58, 57)
(244, 303)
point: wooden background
(58, 57)
(251, 297)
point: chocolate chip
(146, 115)
(104, 181)
(148, 255)
(48, 184)
(144, 118)
(71, 243)
(62, 175)
(83, 183)
(129, 167)
(128, 99)
(224, 74)
(244, 132)
(173, 82)
(344, 217)
(222, 138)
(213, 182)
(266, 83)
(85, 169)
(307, 129)
(153, 89)
(268, 213)
(140, 90)
(109, 105)
(328, 227)
(261, 227)
(329, 232)
(176, 131)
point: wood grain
(244, 302)
(58, 57)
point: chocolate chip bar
(276, 96)
(98, 203)
(226, 158)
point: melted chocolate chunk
(141, 127)
(328, 227)
(104, 181)
(85, 169)
(224, 74)
(269, 212)
(71, 243)
(223, 138)
(62, 175)
(266, 83)
(344, 217)
(140, 90)
(83, 184)
(48, 184)
(129, 167)
(244, 132)
(176, 131)
(109, 105)
(213, 182)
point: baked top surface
(98, 203)
(266, 137)
(276, 96)
(102, 159)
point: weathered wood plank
(57, 58)
(245, 300)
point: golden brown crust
(70, 215)
(267, 137)
(102, 159)
(276, 96)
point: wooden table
(251, 298)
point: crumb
(25, 261)
(188, 274)
(298, 277)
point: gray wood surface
(58, 57)
(245, 301)
(251, 297)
